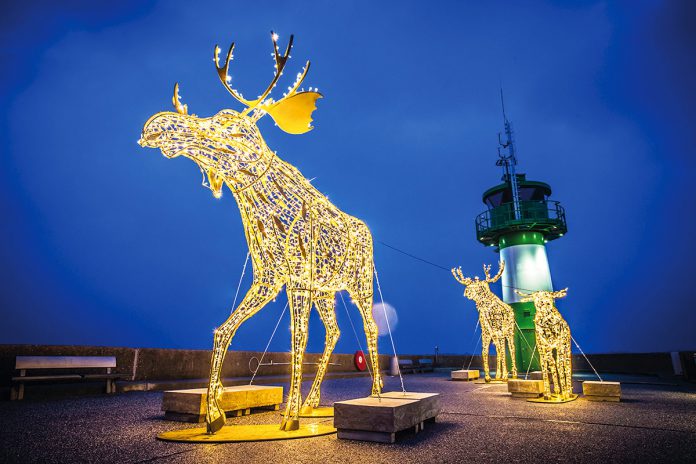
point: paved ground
(479, 423)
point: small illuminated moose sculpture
(296, 237)
(496, 318)
(552, 334)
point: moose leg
(257, 296)
(371, 333)
(326, 306)
(568, 390)
(503, 357)
(543, 360)
(554, 371)
(485, 342)
(560, 372)
(300, 305)
(513, 362)
(569, 368)
(498, 357)
(562, 377)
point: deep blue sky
(104, 242)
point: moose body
(553, 342)
(496, 318)
(297, 238)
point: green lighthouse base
(526, 356)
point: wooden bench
(406, 366)
(71, 365)
(409, 366)
(425, 365)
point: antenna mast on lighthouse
(509, 160)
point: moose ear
(560, 293)
(294, 114)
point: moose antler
(457, 273)
(280, 61)
(176, 100)
(292, 113)
(487, 269)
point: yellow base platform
(327, 411)
(554, 399)
(239, 433)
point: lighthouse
(519, 222)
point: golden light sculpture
(296, 237)
(553, 344)
(496, 318)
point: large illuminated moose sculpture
(553, 343)
(296, 237)
(496, 318)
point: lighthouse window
(532, 194)
(494, 200)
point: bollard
(394, 366)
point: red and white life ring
(360, 361)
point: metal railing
(543, 214)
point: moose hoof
(216, 425)
(290, 424)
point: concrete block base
(520, 388)
(465, 374)
(380, 419)
(601, 391)
(190, 405)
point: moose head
(228, 147)
(477, 289)
(543, 299)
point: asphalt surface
(479, 423)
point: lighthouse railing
(529, 215)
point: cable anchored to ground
(386, 318)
